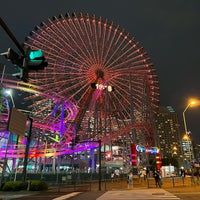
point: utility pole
(27, 148)
(99, 141)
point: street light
(184, 120)
(190, 104)
(9, 92)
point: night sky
(168, 30)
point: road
(135, 194)
(172, 189)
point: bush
(23, 185)
(38, 185)
(14, 186)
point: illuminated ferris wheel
(100, 82)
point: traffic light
(22, 74)
(12, 56)
(35, 60)
(32, 60)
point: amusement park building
(168, 133)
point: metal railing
(89, 182)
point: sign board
(167, 171)
(64, 178)
(17, 122)
(69, 177)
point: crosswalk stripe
(67, 196)
(147, 194)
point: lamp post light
(9, 92)
(184, 120)
(191, 103)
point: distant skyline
(168, 30)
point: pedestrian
(143, 175)
(130, 180)
(157, 178)
(183, 172)
(112, 177)
(148, 172)
(117, 174)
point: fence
(90, 182)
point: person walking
(112, 177)
(157, 179)
(117, 174)
(130, 180)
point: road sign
(17, 122)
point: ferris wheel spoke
(134, 62)
(96, 39)
(87, 28)
(109, 43)
(78, 37)
(52, 49)
(102, 35)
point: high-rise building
(188, 151)
(168, 133)
(196, 151)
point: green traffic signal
(35, 54)
(36, 60)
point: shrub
(23, 185)
(14, 186)
(36, 185)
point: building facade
(168, 137)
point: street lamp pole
(184, 119)
(9, 92)
(185, 128)
(99, 141)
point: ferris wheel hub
(99, 73)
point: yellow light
(174, 148)
(193, 102)
(185, 137)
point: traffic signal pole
(10, 34)
(29, 60)
(24, 173)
